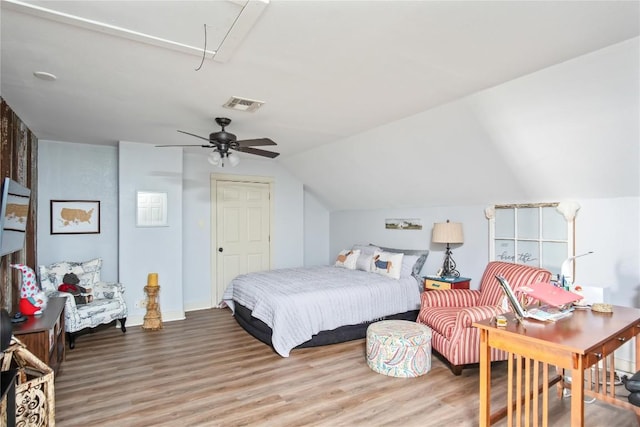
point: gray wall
(68, 171)
(144, 250)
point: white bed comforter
(297, 303)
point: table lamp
(448, 232)
(567, 269)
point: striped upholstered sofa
(450, 313)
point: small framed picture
(403, 224)
(151, 209)
(75, 217)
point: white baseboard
(196, 306)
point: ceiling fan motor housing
(222, 137)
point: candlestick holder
(153, 318)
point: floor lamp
(448, 232)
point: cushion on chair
(516, 274)
(97, 307)
(51, 276)
(441, 319)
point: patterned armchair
(450, 313)
(108, 301)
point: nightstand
(438, 283)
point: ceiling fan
(222, 142)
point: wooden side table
(153, 318)
(438, 283)
(44, 334)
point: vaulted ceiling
(327, 71)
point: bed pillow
(347, 259)
(388, 264)
(366, 249)
(408, 261)
(365, 260)
(422, 258)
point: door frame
(242, 179)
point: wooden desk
(574, 343)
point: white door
(242, 230)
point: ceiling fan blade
(259, 152)
(255, 142)
(185, 145)
(193, 134)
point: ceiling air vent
(243, 104)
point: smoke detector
(243, 104)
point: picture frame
(403, 224)
(151, 209)
(75, 216)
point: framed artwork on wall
(151, 209)
(403, 224)
(75, 217)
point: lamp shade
(447, 232)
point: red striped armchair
(450, 313)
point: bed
(304, 307)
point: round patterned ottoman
(399, 348)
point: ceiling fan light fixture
(214, 158)
(234, 159)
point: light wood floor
(207, 371)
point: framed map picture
(75, 216)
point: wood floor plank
(207, 371)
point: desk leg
(485, 379)
(577, 393)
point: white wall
(566, 132)
(316, 231)
(144, 250)
(288, 234)
(68, 171)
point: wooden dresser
(44, 335)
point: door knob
(220, 249)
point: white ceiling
(327, 70)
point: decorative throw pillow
(51, 275)
(347, 259)
(365, 260)
(388, 264)
(417, 267)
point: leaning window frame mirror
(536, 234)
